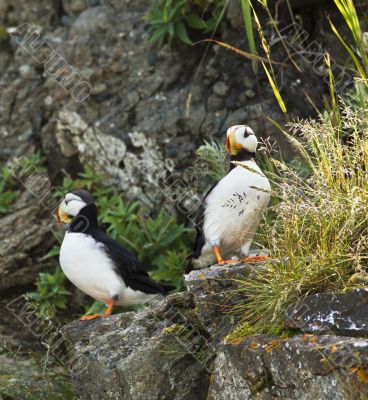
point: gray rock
(160, 93)
(26, 236)
(220, 89)
(26, 71)
(249, 93)
(214, 295)
(230, 102)
(341, 313)
(74, 7)
(136, 356)
(150, 354)
(99, 88)
(214, 103)
(22, 377)
(248, 82)
(234, 15)
(304, 367)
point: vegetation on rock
(170, 20)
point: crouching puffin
(232, 209)
(97, 264)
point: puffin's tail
(166, 287)
(189, 261)
(189, 267)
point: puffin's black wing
(126, 264)
(128, 267)
(199, 240)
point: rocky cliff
(176, 348)
(147, 109)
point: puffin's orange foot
(108, 311)
(224, 262)
(92, 316)
(255, 259)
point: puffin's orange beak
(227, 145)
(61, 216)
(231, 146)
(58, 220)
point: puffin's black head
(72, 204)
(240, 138)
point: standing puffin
(97, 264)
(232, 209)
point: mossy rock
(3, 34)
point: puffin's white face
(69, 208)
(240, 137)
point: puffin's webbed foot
(92, 316)
(108, 311)
(255, 259)
(225, 262)
(220, 260)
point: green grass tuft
(318, 234)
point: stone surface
(164, 94)
(25, 237)
(341, 313)
(137, 356)
(150, 354)
(22, 377)
(214, 292)
(304, 367)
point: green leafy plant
(8, 195)
(212, 160)
(170, 267)
(166, 19)
(150, 237)
(170, 20)
(50, 294)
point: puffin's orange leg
(108, 311)
(220, 260)
(255, 259)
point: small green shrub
(50, 294)
(170, 19)
(212, 160)
(148, 237)
(8, 195)
(170, 267)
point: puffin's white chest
(235, 207)
(87, 266)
